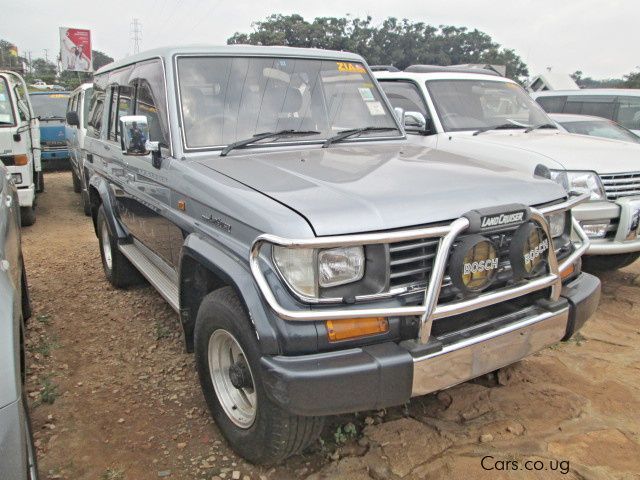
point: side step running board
(156, 277)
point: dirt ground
(115, 397)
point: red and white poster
(75, 49)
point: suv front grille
(411, 261)
(621, 185)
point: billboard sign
(75, 49)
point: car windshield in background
(50, 105)
(481, 104)
(601, 128)
(225, 100)
(6, 112)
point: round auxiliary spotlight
(529, 251)
(474, 264)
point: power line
(136, 34)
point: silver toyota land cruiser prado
(319, 263)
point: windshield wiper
(263, 136)
(354, 131)
(504, 126)
(542, 125)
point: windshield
(50, 105)
(601, 128)
(477, 104)
(6, 112)
(225, 100)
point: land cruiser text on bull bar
(319, 263)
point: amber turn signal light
(355, 327)
(567, 271)
(20, 160)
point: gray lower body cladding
(388, 374)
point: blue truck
(51, 107)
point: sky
(594, 36)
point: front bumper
(623, 215)
(389, 374)
(26, 195)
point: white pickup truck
(482, 115)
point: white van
(20, 142)
(76, 133)
(622, 105)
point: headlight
(580, 182)
(306, 270)
(556, 223)
(340, 265)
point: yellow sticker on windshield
(350, 67)
(58, 95)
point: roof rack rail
(452, 68)
(383, 68)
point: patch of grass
(162, 330)
(49, 391)
(45, 346)
(344, 433)
(44, 318)
(112, 473)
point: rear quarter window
(552, 104)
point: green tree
(43, 70)
(100, 59)
(398, 42)
(632, 80)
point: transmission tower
(136, 34)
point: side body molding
(102, 187)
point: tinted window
(6, 112)
(404, 95)
(228, 99)
(121, 105)
(552, 104)
(145, 105)
(629, 112)
(596, 105)
(96, 110)
(50, 105)
(474, 104)
(86, 104)
(149, 77)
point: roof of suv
(634, 92)
(444, 74)
(244, 50)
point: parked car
(51, 107)
(17, 452)
(491, 118)
(617, 104)
(594, 126)
(319, 263)
(20, 142)
(76, 131)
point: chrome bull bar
(429, 310)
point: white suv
(480, 114)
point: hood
(362, 188)
(560, 149)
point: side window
(573, 106)
(96, 110)
(23, 106)
(405, 95)
(121, 105)
(146, 106)
(629, 112)
(552, 104)
(596, 105)
(85, 104)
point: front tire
(117, 267)
(228, 364)
(27, 216)
(605, 263)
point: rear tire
(117, 267)
(604, 263)
(27, 216)
(255, 427)
(77, 186)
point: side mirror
(134, 135)
(414, 121)
(72, 119)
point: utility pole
(136, 34)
